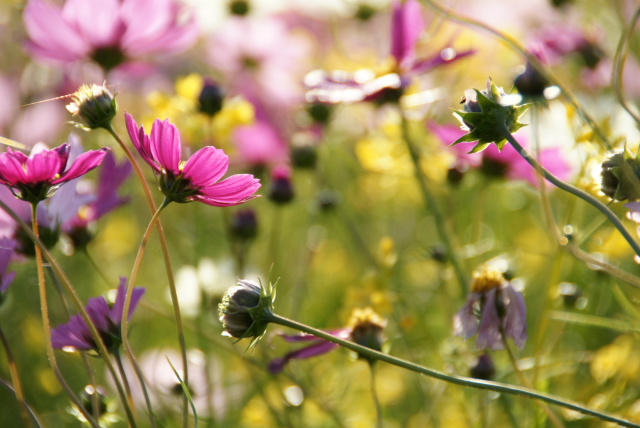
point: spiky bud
(245, 309)
(94, 106)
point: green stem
(15, 380)
(458, 380)
(46, 324)
(532, 59)
(374, 394)
(432, 207)
(167, 263)
(611, 216)
(95, 335)
(619, 60)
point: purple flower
(197, 179)
(407, 25)
(108, 31)
(36, 177)
(365, 327)
(6, 251)
(76, 333)
(493, 308)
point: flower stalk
(15, 380)
(458, 380)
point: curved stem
(611, 216)
(432, 207)
(619, 60)
(458, 380)
(535, 62)
(15, 379)
(167, 263)
(374, 394)
(44, 307)
(55, 266)
(124, 323)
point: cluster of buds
(487, 117)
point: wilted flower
(486, 119)
(36, 177)
(126, 29)
(197, 178)
(244, 308)
(94, 106)
(365, 327)
(493, 309)
(75, 333)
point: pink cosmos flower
(505, 163)
(407, 25)
(108, 31)
(260, 144)
(36, 177)
(197, 179)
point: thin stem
(374, 394)
(167, 263)
(532, 59)
(619, 60)
(123, 376)
(611, 216)
(46, 325)
(458, 380)
(124, 323)
(552, 416)
(432, 207)
(95, 335)
(34, 417)
(15, 379)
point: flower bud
(486, 118)
(211, 98)
(484, 368)
(621, 177)
(304, 152)
(245, 309)
(239, 7)
(87, 399)
(244, 224)
(367, 328)
(530, 83)
(281, 189)
(94, 106)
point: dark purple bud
(211, 98)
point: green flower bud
(621, 177)
(94, 106)
(485, 116)
(245, 310)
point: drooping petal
(465, 322)
(206, 166)
(234, 190)
(118, 306)
(165, 145)
(83, 164)
(489, 335)
(320, 347)
(515, 319)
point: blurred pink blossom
(108, 31)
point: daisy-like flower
(493, 308)
(365, 327)
(36, 177)
(75, 334)
(197, 179)
(109, 32)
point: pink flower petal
(206, 166)
(231, 191)
(165, 145)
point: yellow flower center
(486, 279)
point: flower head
(197, 179)
(94, 106)
(365, 327)
(494, 310)
(109, 32)
(36, 177)
(107, 318)
(621, 177)
(244, 308)
(485, 117)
